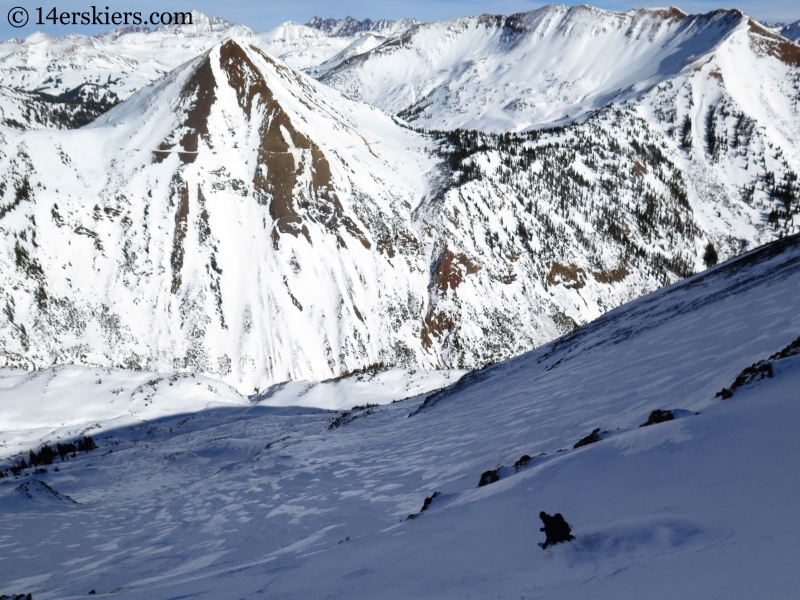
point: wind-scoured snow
(251, 271)
(65, 402)
(280, 503)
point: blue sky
(263, 16)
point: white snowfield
(246, 502)
(378, 387)
(39, 407)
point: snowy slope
(359, 46)
(33, 110)
(544, 67)
(69, 401)
(64, 402)
(118, 62)
(373, 386)
(734, 119)
(281, 503)
(301, 46)
(791, 31)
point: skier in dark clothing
(555, 528)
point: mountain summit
(255, 221)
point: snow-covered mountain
(119, 62)
(360, 45)
(548, 66)
(36, 110)
(235, 202)
(306, 48)
(241, 220)
(229, 240)
(302, 503)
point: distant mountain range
(349, 27)
(791, 31)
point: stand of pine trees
(48, 454)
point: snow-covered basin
(72, 400)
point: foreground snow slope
(269, 502)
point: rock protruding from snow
(196, 505)
(244, 221)
(237, 155)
